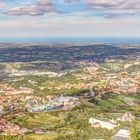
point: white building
(103, 124)
(123, 134)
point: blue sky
(69, 18)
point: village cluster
(16, 102)
(7, 128)
(105, 81)
(93, 79)
(10, 129)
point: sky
(69, 18)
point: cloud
(104, 8)
(114, 8)
(71, 1)
(114, 4)
(45, 3)
(40, 8)
(2, 5)
(120, 14)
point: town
(70, 98)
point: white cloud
(71, 1)
(40, 8)
(114, 4)
(2, 5)
(114, 8)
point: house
(24, 130)
(126, 117)
(50, 97)
(16, 127)
(8, 125)
(2, 121)
(38, 131)
(2, 128)
(8, 128)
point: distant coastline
(117, 40)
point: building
(122, 134)
(38, 131)
(101, 124)
(60, 103)
(126, 117)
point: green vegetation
(74, 124)
(114, 80)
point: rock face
(122, 134)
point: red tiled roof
(8, 125)
(2, 121)
(2, 127)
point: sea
(113, 40)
